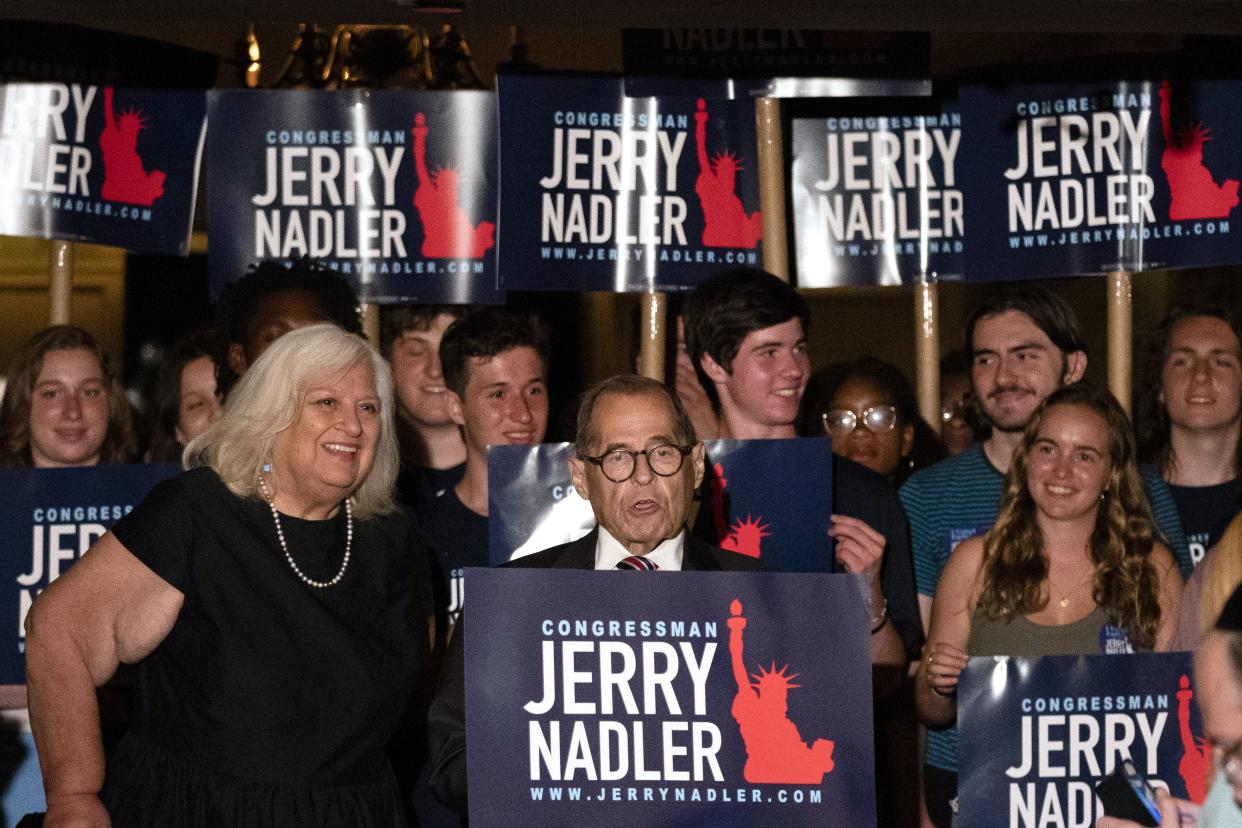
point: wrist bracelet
(938, 693)
(880, 620)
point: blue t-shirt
(959, 498)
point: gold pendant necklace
(1065, 596)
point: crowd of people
(291, 601)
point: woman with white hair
(276, 604)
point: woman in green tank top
(1071, 566)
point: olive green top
(1022, 637)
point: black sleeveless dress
(270, 702)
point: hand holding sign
(942, 666)
(859, 548)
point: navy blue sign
(101, 164)
(1089, 178)
(50, 518)
(396, 190)
(745, 508)
(605, 192)
(679, 698)
(875, 192)
(1037, 734)
(531, 501)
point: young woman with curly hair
(1072, 565)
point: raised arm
(944, 657)
(109, 608)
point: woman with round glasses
(867, 407)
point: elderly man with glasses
(638, 462)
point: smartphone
(1126, 794)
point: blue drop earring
(267, 468)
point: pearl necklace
(280, 535)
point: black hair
(926, 447)
(486, 332)
(721, 311)
(240, 299)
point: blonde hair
(268, 399)
(1223, 576)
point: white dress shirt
(609, 552)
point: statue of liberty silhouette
(725, 221)
(447, 231)
(1196, 761)
(745, 536)
(1195, 194)
(124, 178)
(775, 751)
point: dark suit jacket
(446, 721)
(580, 554)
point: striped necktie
(638, 562)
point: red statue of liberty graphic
(746, 536)
(775, 751)
(1196, 761)
(447, 231)
(124, 178)
(1195, 194)
(725, 221)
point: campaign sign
(1097, 177)
(875, 192)
(745, 505)
(100, 164)
(1036, 735)
(676, 698)
(532, 504)
(604, 192)
(395, 190)
(771, 500)
(50, 518)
